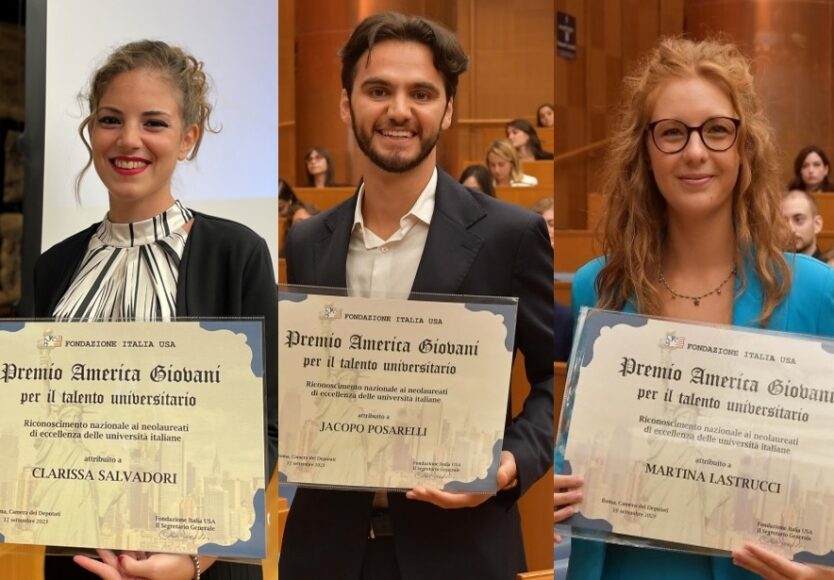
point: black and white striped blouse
(130, 271)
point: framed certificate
(700, 437)
(389, 394)
(134, 436)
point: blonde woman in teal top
(693, 232)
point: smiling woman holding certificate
(693, 232)
(151, 258)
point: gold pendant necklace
(696, 300)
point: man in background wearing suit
(412, 228)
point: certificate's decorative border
(252, 548)
(252, 542)
(503, 308)
(590, 327)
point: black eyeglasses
(717, 134)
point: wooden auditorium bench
(825, 202)
(573, 248)
(523, 196)
(541, 170)
(537, 575)
(488, 134)
(324, 198)
(825, 239)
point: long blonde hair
(505, 150)
(635, 223)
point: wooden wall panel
(611, 36)
(571, 127)
(319, 35)
(512, 57)
(286, 91)
(792, 47)
(505, 43)
(510, 45)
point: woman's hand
(774, 567)
(136, 566)
(567, 494)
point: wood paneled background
(791, 44)
(511, 48)
(610, 36)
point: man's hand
(506, 477)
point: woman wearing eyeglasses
(693, 232)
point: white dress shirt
(378, 268)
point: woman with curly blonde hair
(693, 232)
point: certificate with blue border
(390, 394)
(700, 437)
(134, 436)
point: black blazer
(226, 270)
(476, 245)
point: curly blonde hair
(634, 226)
(183, 71)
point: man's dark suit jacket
(476, 245)
(226, 270)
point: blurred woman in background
(526, 141)
(319, 167)
(504, 166)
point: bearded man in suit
(412, 228)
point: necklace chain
(696, 300)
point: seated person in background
(298, 212)
(545, 115)
(800, 210)
(544, 207)
(301, 211)
(504, 166)
(526, 141)
(478, 177)
(286, 197)
(319, 166)
(810, 170)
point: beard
(804, 247)
(396, 162)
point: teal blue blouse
(808, 309)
